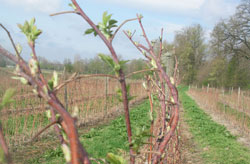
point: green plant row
(219, 146)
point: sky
(63, 36)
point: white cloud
(45, 6)
(173, 5)
(214, 10)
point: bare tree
(233, 35)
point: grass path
(103, 139)
(218, 145)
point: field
(216, 143)
(96, 99)
(101, 116)
(233, 106)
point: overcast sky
(63, 37)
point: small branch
(144, 34)
(63, 12)
(18, 60)
(143, 47)
(45, 128)
(128, 20)
(130, 38)
(97, 75)
(155, 84)
(141, 71)
(74, 77)
(12, 42)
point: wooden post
(65, 89)
(106, 92)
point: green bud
(66, 152)
(140, 16)
(54, 79)
(144, 85)
(151, 116)
(172, 80)
(33, 65)
(172, 100)
(153, 63)
(35, 91)
(48, 114)
(24, 81)
(57, 116)
(129, 33)
(19, 48)
(72, 5)
(75, 112)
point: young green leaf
(72, 5)
(7, 98)
(89, 31)
(106, 18)
(122, 63)
(107, 59)
(30, 30)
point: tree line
(223, 61)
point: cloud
(45, 6)
(164, 5)
(214, 10)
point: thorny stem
(78, 154)
(121, 75)
(173, 93)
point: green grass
(220, 147)
(104, 139)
